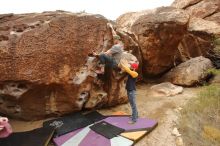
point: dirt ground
(164, 109)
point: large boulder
(159, 34)
(189, 73)
(45, 68)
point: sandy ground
(164, 109)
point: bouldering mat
(76, 139)
(122, 122)
(36, 137)
(121, 141)
(107, 130)
(88, 137)
(119, 113)
(95, 116)
(94, 139)
(134, 136)
(58, 141)
(68, 123)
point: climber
(111, 57)
(130, 87)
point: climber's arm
(134, 74)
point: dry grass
(200, 121)
(214, 71)
(217, 46)
(214, 53)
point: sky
(111, 9)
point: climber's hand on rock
(93, 54)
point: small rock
(166, 89)
(179, 141)
(175, 132)
(190, 73)
(176, 110)
(179, 108)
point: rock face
(207, 9)
(203, 28)
(215, 17)
(125, 21)
(45, 68)
(199, 39)
(193, 46)
(181, 4)
(201, 25)
(159, 34)
(190, 72)
(166, 89)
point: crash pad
(121, 141)
(68, 123)
(36, 137)
(76, 139)
(106, 129)
(134, 136)
(88, 137)
(119, 113)
(62, 139)
(94, 116)
(94, 139)
(122, 122)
